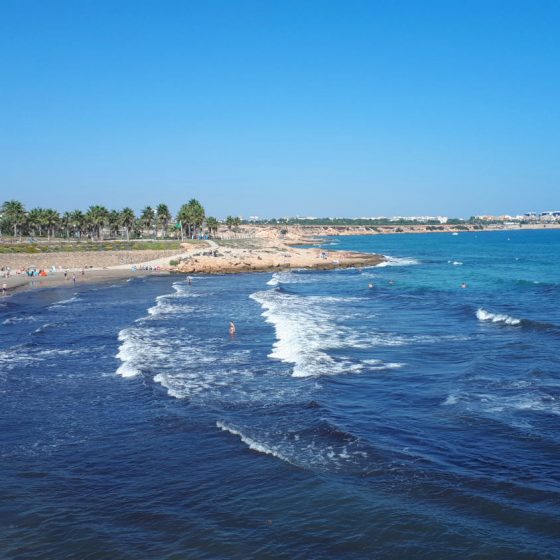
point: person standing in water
(231, 328)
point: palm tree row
(98, 222)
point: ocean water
(414, 419)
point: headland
(239, 253)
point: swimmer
(231, 328)
(391, 282)
(370, 286)
(189, 280)
(463, 285)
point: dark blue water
(413, 419)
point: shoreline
(269, 249)
(206, 257)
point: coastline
(205, 257)
(245, 249)
(301, 233)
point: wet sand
(57, 280)
(207, 257)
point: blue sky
(340, 108)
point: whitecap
(483, 315)
(450, 400)
(43, 328)
(14, 320)
(64, 302)
(397, 261)
(251, 443)
(306, 329)
(379, 365)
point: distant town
(487, 219)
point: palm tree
(192, 216)
(51, 219)
(128, 219)
(230, 221)
(147, 218)
(114, 220)
(97, 216)
(212, 224)
(65, 223)
(183, 217)
(163, 218)
(77, 222)
(14, 212)
(35, 220)
(198, 214)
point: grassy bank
(87, 246)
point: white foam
(43, 328)
(483, 315)
(251, 443)
(524, 401)
(379, 365)
(131, 351)
(397, 261)
(64, 302)
(137, 349)
(304, 331)
(16, 356)
(14, 320)
(290, 277)
(450, 400)
(166, 304)
(307, 327)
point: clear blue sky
(341, 108)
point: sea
(376, 413)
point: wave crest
(483, 315)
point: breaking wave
(251, 443)
(483, 315)
(308, 330)
(397, 261)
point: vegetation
(87, 246)
(98, 223)
(191, 217)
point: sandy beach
(247, 248)
(207, 257)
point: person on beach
(231, 328)
(4, 288)
(74, 278)
(65, 275)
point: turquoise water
(412, 419)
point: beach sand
(207, 257)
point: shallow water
(414, 419)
